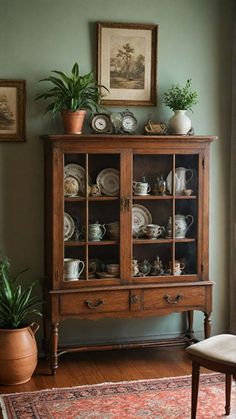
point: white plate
(140, 217)
(69, 226)
(71, 186)
(178, 189)
(109, 181)
(78, 172)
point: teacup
(72, 269)
(141, 188)
(188, 192)
(113, 230)
(178, 267)
(113, 268)
(153, 231)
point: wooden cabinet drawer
(94, 302)
(174, 297)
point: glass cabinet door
(91, 219)
(165, 194)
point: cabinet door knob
(176, 300)
(96, 304)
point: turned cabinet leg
(228, 382)
(195, 385)
(54, 346)
(190, 331)
(207, 325)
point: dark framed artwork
(12, 110)
(127, 63)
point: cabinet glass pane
(103, 230)
(157, 250)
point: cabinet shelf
(91, 199)
(74, 243)
(157, 241)
(161, 197)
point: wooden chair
(217, 353)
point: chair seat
(220, 348)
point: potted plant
(72, 95)
(180, 99)
(18, 348)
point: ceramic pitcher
(182, 225)
(182, 177)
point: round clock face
(129, 123)
(101, 123)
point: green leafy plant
(181, 98)
(15, 303)
(72, 92)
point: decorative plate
(109, 181)
(105, 275)
(71, 186)
(178, 181)
(69, 226)
(78, 172)
(140, 217)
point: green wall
(195, 40)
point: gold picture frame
(127, 63)
(12, 110)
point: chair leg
(228, 381)
(195, 385)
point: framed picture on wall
(12, 110)
(127, 63)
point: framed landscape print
(127, 63)
(12, 110)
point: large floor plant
(18, 348)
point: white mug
(72, 269)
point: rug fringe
(3, 407)
(109, 383)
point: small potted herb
(180, 99)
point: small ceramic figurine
(135, 268)
(157, 267)
(94, 190)
(159, 187)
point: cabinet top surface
(129, 138)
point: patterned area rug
(166, 398)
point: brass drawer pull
(176, 300)
(92, 306)
(134, 299)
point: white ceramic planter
(180, 123)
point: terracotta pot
(73, 121)
(18, 354)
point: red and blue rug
(166, 398)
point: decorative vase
(18, 354)
(73, 121)
(180, 123)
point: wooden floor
(97, 367)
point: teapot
(145, 267)
(96, 231)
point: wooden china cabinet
(145, 292)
